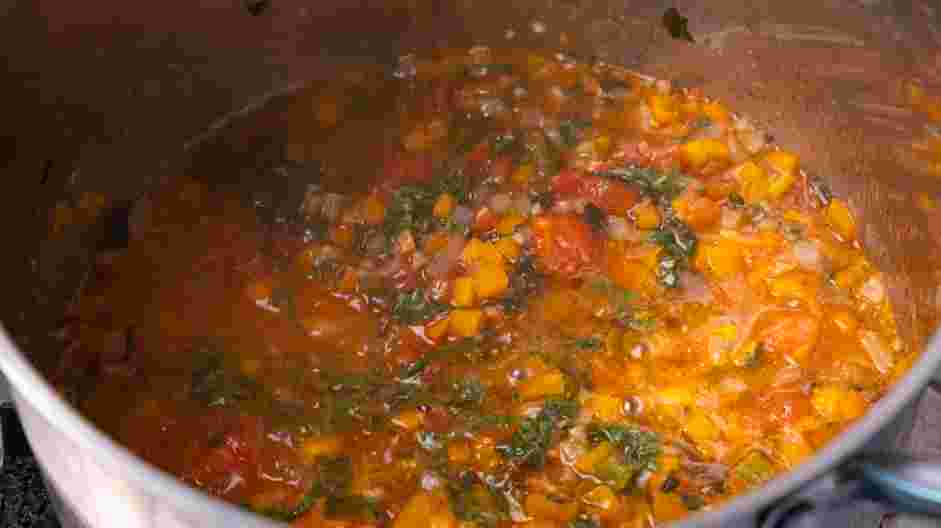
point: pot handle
(870, 486)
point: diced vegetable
(323, 446)
(465, 322)
(542, 386)
(490, 280)
(426, 510)
(753, 469)
(841, 219)
(533, 437)
(542, 507)
(464, 292)
(443, 206)
(646, 216)
(837, 404)
(699, 152)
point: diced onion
(873, 290)
(787, 375)
(579, 205)
(491, 106)
(880, 355)
(807, 254)
(430, 481)
(531, 117)
(332, 203)
(562, 206)
(522, 204)
(618, 228)
(406, 68)
(463, 215)
(730, 219)
(500, 203)
(441, 263)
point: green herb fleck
(652, 182)
(588, 343)
(640, 448)
(679, 244)
(414, 306)
(755, 468)
(428, 440)
(677, 25)
(569, 130)
(534, 436)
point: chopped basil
(534, 436)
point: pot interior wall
(103, 97)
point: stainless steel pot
(104, 96)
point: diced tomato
(563, 243)
(778, 407)
(501, 168)
(232, 462)
(406, 167)
(697, 211)
(613, 197)
(485, 220)
(787, 332)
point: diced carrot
(699, 152)
(375, 210)
(409, 420)
(465, 322)
(663, 109)
(508, 224)
(259, 289)
(587, 462)
(601, 498)
(509, 248)
(463, 292)
(523, 174)
(699, 212)
(435, 242)
(426, 509)
(754, 182)
(541, 507)
(342, 235)
(548, 384)
(436, 330)
(701, 429)
(443, 206)
(605, 407)
(716, 111)
(646, 215)
(720, 259)
(841, 219)
(668, 506)
(490, 280)
(459, 452)
(314, 448)
(837, 404)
